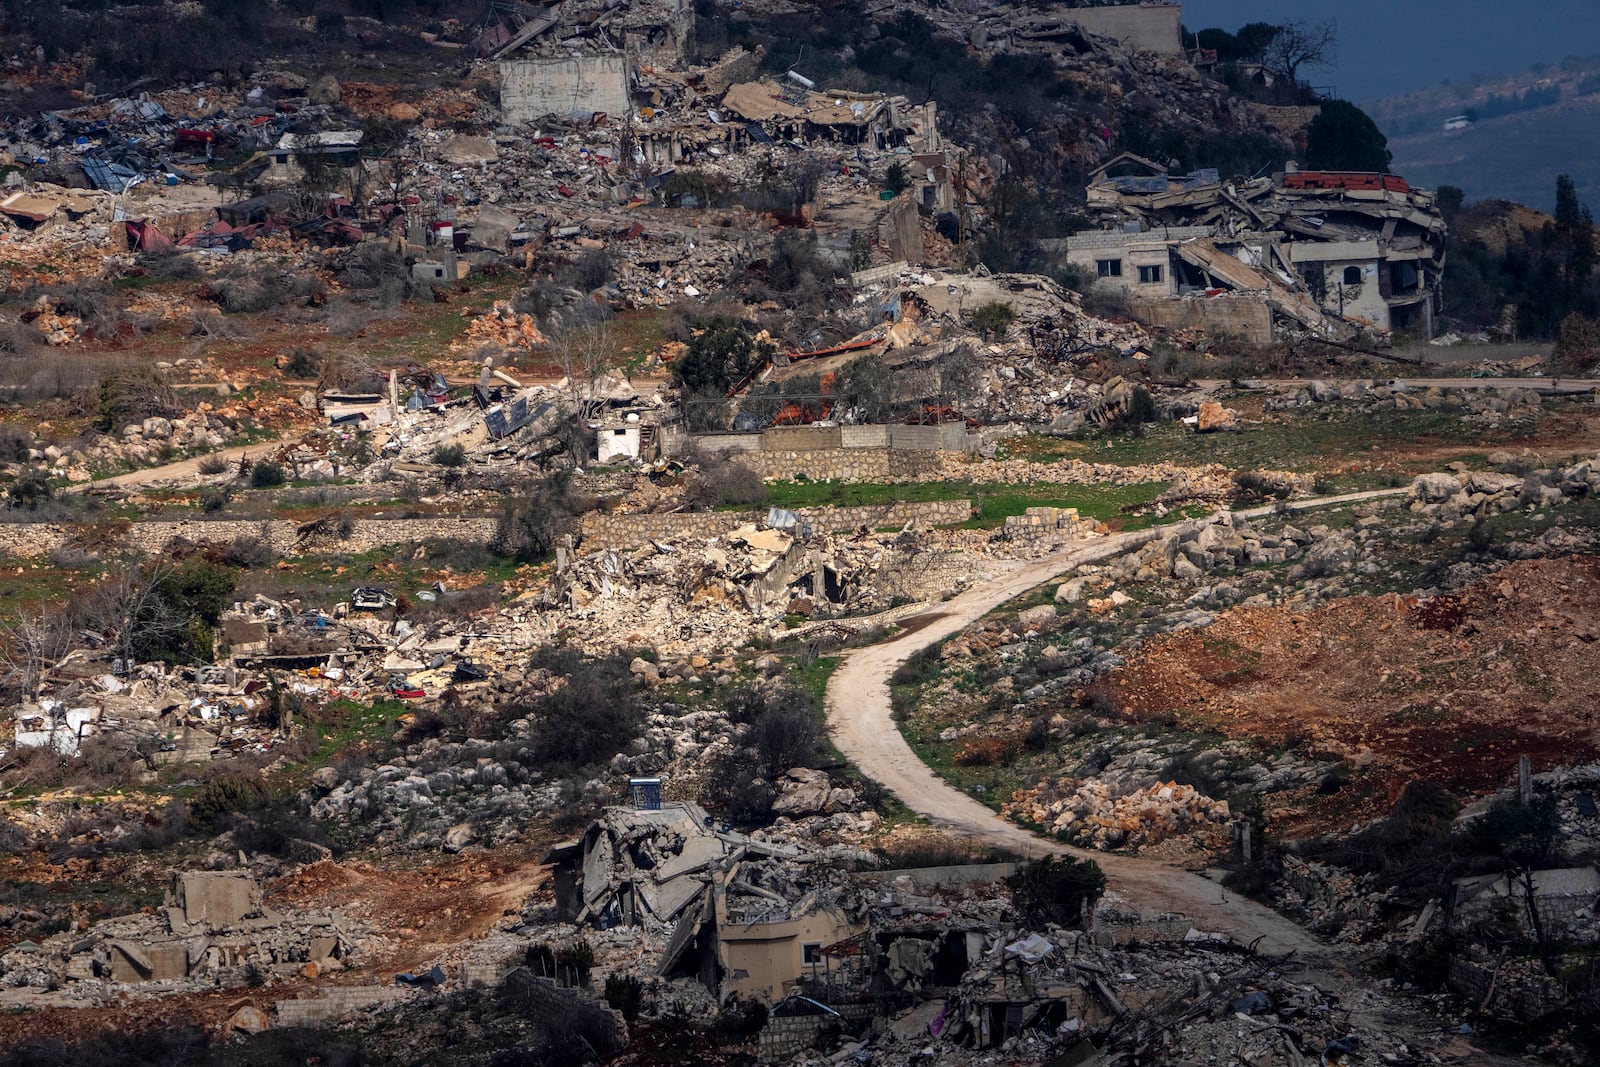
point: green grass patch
(812, 675)
(1311, 439)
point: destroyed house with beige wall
(740, 917)
(1334, 253)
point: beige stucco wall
(763, 960)
(1148, 29)
(531, 89)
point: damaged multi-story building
(1336, 254)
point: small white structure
(48, 724)
(622, 440)
(1456, 122)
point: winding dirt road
(861, 725)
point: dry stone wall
(30, 540)
(629, 531)
(841, 464)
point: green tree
(895, 179)
(1449, 199)
(720, 356)
(1573, 234)
(992, 320)
(1343, 137)
(1054, 891)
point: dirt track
(184, 471)
(861, 724)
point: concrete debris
(1333, 254)
(214, 932)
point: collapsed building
(1330, 253)
(747, 917)
(213, 931)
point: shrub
(302, 362)
(247, 552)
(225, 792)
(212, 465)
(797, 270)
(250, 293)
(895, 178)
(1524, 833)
(718, 356)
(15, 444)
(1411, 846)
(133, 395)
(266, 474)
(169, 266)
(450, 455)
(588, 272)
(1141, 409)
(1107, 302)
(921, 666)
(531, 523)
(1054, 891)
(986, 751)
(722, 482)
(993, 319)
(214, 498)
(30, 490)
(626, 994)
(590, 718)
(784, 730)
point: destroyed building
(1332, 253)
(747, 918)
(214, 930)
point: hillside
(1524, 130)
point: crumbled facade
(1332, 253)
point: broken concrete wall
(787, 1037)
(1141, 27)
(899, 230)
(531, 89)
(1247, 318)
(217, 898)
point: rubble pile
(1094, 814)
(703, 596)
(1489, 406)
(214, 932)
(501, 326)
(1350, 908)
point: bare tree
(131, 611)
(584, 354)
(1300, 44)
(30, 644)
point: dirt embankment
(1453, 690)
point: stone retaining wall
(1045, 524)
(841, 464)
(783, 1037)
(335, 1003)
(602, 530)
(26, 540)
